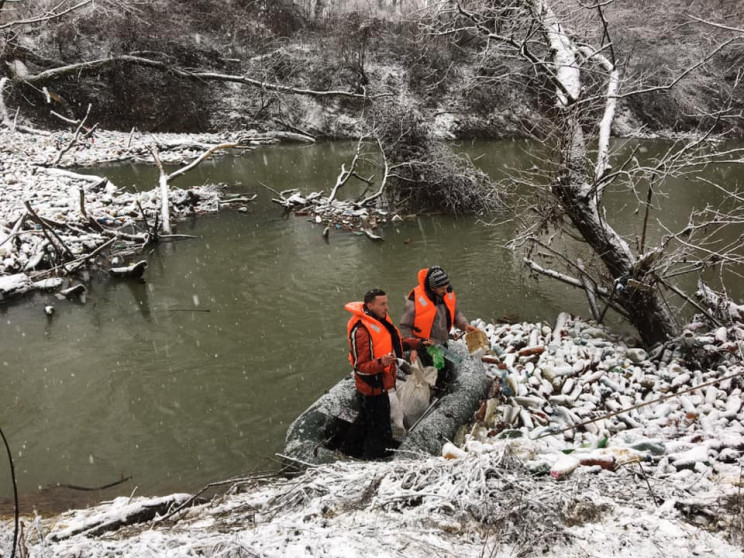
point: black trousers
(374, 423)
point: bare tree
(583, 84)
(166, 178)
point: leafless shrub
(429, 176)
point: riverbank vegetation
(567, 58)
(346, 46)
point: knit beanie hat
(437, 277)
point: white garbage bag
(396, 416)
(415, 392)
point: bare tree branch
(385, 175)
(719, 25)
(165, 179)
(344, 175)
(680, 77)
(207, 76)
(45, 17)
(73, 140)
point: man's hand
(413, 356)
(470, 327)
(427, 343)
(387, 359)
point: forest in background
(378, 48)
(563, 73)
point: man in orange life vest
(374, 345)
(431, 312)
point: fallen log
(14, 285)
(122, 512)
(134, 271)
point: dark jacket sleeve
(360, 351)
(411, 343)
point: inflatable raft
(319, 433)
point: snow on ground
(484, 504)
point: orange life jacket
(382, 344)
(426, 310)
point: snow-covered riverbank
(662, 479)
(54, 221)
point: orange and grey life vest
(426, 310)
(381, 343)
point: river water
(194, 376)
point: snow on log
(121, 511)
(48, 284)
(135, 270)
(14, 285)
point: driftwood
(49, 232)
(121, 514)
(73, 140)
(48, 284)
(134, 271)
(241, 199)
(165, 179)
(97, 181)
(344, 175)
(17, 227)
(277, 136)
(15, 285)
(371, 235)
(72, 292)
(38, 256)
(349, 216)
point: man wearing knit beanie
(437, 278)
(431, 311)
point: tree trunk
(645, 308)
(320, 7)
(580, 191)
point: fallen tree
(581, 85)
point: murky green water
(195, 375)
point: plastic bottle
(437, 356)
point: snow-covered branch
(94, 65)
(44, 18)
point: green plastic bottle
(437, 356)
